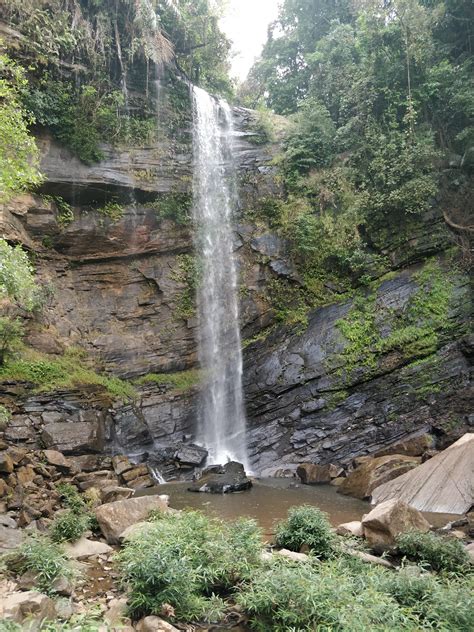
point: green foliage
(88, 622)
(179, 381)
(17, 281)
(42, 557)
(112, 210)
(439, 553)
(70, 497)
(185, 560)
(70, 370)
(306, 525)
(69, 526)
(187, 274)
(11, 334)
(415, 331)
(5, 417)
(19, 157)
(174, 206)
(348, 596)
(329, 596)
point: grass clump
(306, 525)
(180, 381)
(439, 553)
(44, 558)
(5, 417)
(189, 561)
(288, 596)
(69, 526)
(70, 370)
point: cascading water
(221, 414)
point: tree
(19, 157)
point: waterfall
(221, 423)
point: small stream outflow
(221, 424)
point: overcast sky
(245, 23)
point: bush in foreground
(44, 558)
(439, 553)
(306, 525)
(188, 560)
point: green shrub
(5, 417)
(306, 525)
(288, 596)
(443, 605)
(70, 497)
(439, 553)
(69, 526)
(42, 557)
(184, 560)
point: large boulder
(444, 484)
(84, 548)
(373, 472)
(382, 525)
(313, 474)
(222, 479)
(413, 446)
(19, 606)
(73, 437)
(114, 518)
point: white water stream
(221, 424)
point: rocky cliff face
(121, 285)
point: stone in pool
(222, 479)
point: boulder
(392, 517)
(293, 555)
(22, 605)
(190, 454)
(350, 528)
(414, 446)
(444, 484)
(84, 548)
(10, 538)
(313, 474)
(57, 459)
(73, 437)
(111, 493)
(370, 473)
(121, 464)
(222, 479)
(117, 611)
(114, 518)
(470, 551)
(155, 624)
(6, 463)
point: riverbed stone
(6, 463)
(222, 479)
(84, 548)
(19, 606)
(114, 518)
(313, 474)
(155, 624)
(373, 472)
(388, 520)
(350, 528)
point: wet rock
(135, 472)
(190, 454)
(313, 474)
(389, 519)
(84, 548)
(222, 479)
(114, 518)
(350, 528)
(142, 482)
(374, 472)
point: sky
(245, 22)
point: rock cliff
(120, 282)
